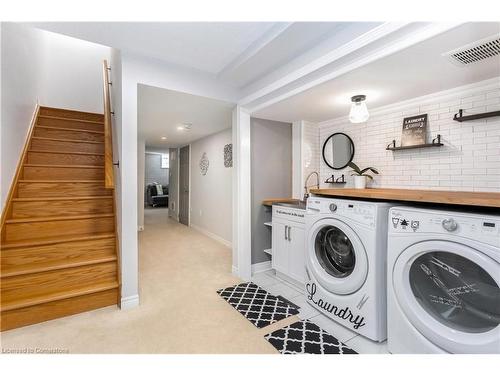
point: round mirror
(338, 151)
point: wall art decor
(204, 164)
(228, 155)
(414, 130)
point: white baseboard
(212, 235)
(261, 267)
(129, 302)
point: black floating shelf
(436, 142)
(460, 118)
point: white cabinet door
(280, 247)
(296, 252)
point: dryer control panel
(484, 228)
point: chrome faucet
(306, 188)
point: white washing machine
(346, 263)
(443, 282)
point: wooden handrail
(109, 179)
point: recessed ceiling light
(163, 138)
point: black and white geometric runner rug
(305, 337)
(258, 306)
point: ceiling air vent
(474, 52)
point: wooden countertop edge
(463, 198)
(271, 201)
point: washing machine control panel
(486, 228)
(361, 212)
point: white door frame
(242, 198)
(190, 187)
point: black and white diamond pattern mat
(305, 337)
(258, 306)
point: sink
(300, 205)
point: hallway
(180, 270)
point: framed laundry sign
(414, 130)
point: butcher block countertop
(271, 201)
(463, 198)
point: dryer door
(336, 256)
(450, 293)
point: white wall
(141, 166)
(72, 72)
(306, 154)
(57, 70)
(469, 161)
(211, 195)
(151, 72)
(173, 189)
(20, 92)
(115, 64)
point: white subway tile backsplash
(493, 94)
(469, 161)
(493, 107)
(473, 98)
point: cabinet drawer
(289, 214)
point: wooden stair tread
(55, 240)
(55, 265)
(69, 198)
(71, 119)
(67, 152)
(64, 166)
(60, 181)
(69, 110)
(67, 140)
(70, 129)
(57, 218)
(55, 296)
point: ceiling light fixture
(185, 126)
(163, 138)
(359, 111)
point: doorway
(184, 185)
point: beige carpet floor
(180, 270)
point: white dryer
(443, 282)
(346, 263)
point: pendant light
(359, 112)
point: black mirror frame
(323, 150)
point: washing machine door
(336, 256)
(450, 293)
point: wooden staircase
(58, 242)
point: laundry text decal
(344, 313)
